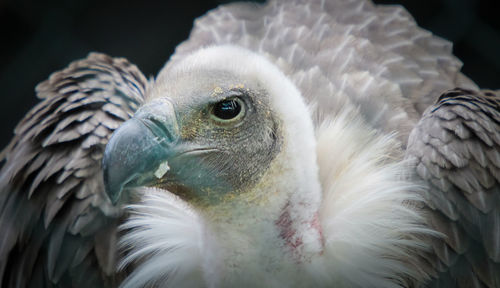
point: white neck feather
(372, 229)
(259, 238)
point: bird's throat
(296, 234)
(274, 224)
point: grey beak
(138, 147)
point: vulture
(300, 143)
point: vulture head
(225, 122)
(224, 151)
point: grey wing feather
(342, 54)
(456, 150)
(58, 226)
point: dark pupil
(227, 109)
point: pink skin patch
(317, 226)
(288, 232)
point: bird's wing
(57, 224)
(456, 150)
(342, 53)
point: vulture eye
(228, 109)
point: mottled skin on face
(218, 159)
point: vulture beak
(137, 153)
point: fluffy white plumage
(168, 232)
(353, 216)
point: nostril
(160, 118)
(159, 129)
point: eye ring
(228, 110)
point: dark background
(40, 37)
